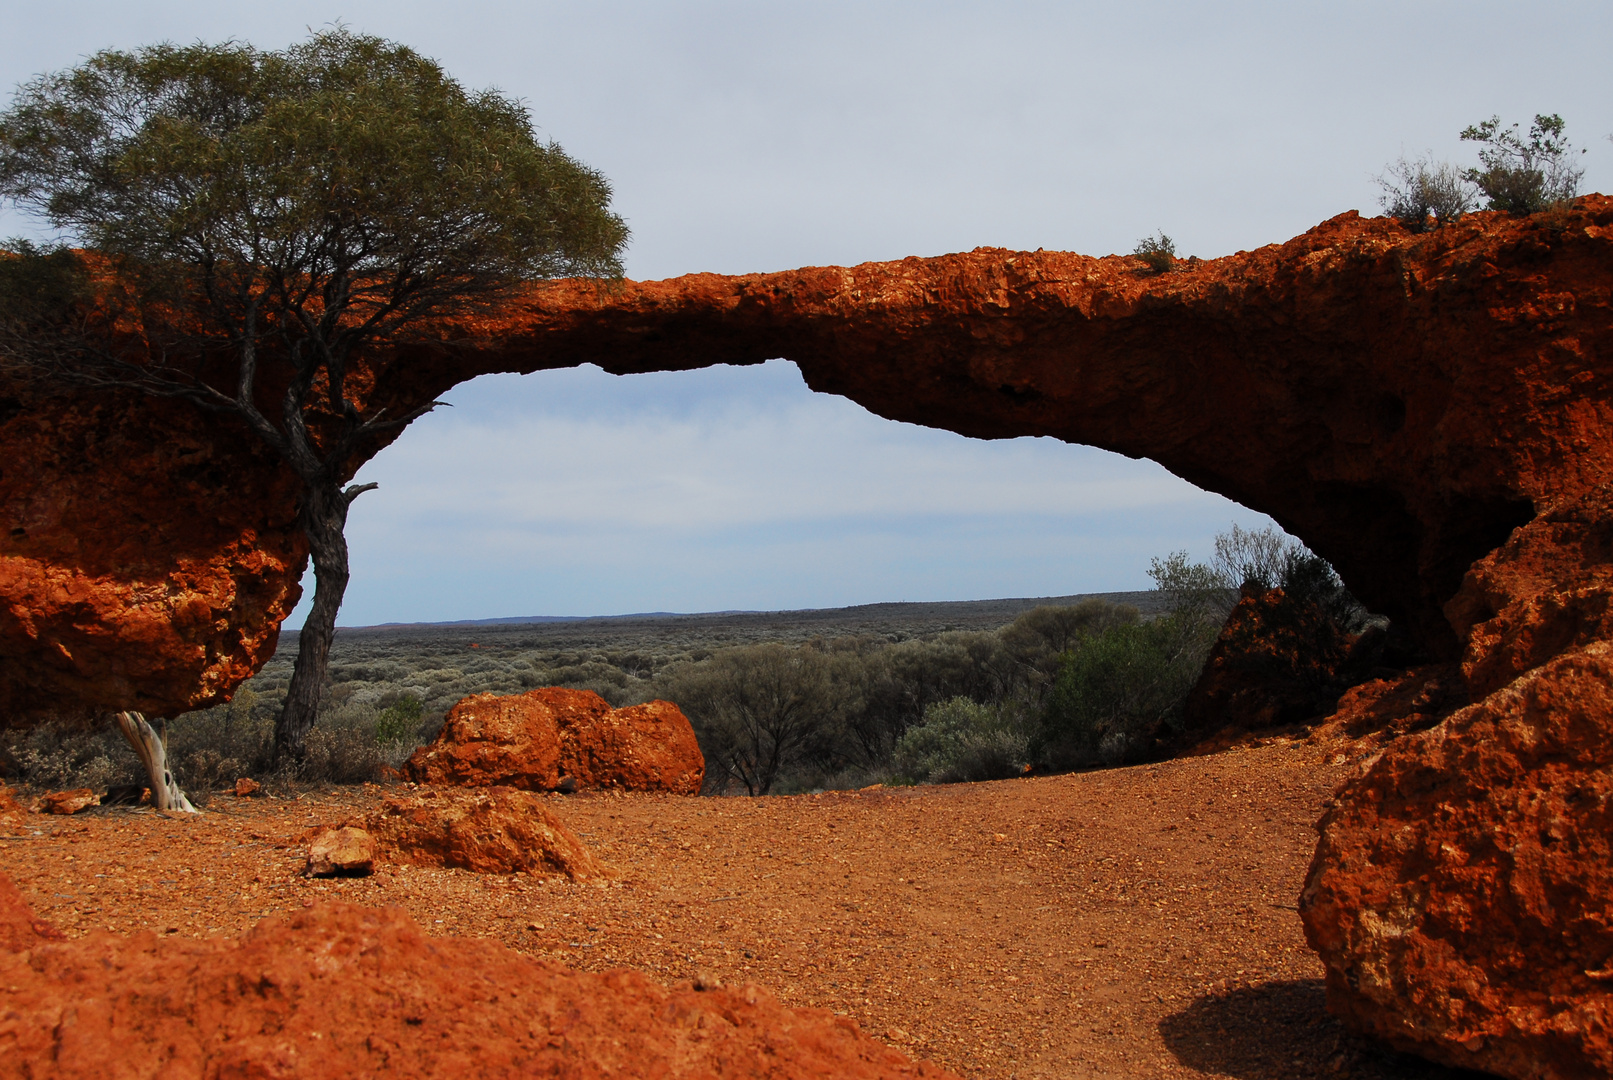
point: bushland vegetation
(781, 702)
(1517, 173)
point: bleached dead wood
(165, 791)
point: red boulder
(1459, 893)
(555, 739)
(493, 832)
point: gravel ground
(1126, 923)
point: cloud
(579, 492)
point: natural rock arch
(1429, 411)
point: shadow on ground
(1283, 1029)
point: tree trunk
(165, 791)
(324, 522)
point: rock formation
(556, 739)
(1430, 412)
(495, 831)
(341, 852)
(342, 991)
(67, 802)
(1399, 401)
(1462, 888)
(1277, 660)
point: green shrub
(1524, 175)
(1116, 691)
(961, 740)
(759, 711)
(399, 720)
(1158, 253)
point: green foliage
(1423, 191)
(345, 156)
(1524, 175)
(961, 740)
(399, 720)
(1194, 589)
(1158, 253)
(758, 710)
(1056, 630)
(1117, 690)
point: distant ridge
(532, 620)
(1146, 599)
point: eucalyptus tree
(297, 207)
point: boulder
(67, 802)
(246, 787)
(498, 831)
(337, 991)
(347, 851)
(552, 738)
(1461, 895)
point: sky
(749, 137)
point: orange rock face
(342, 852)
(339, 991)
(544, 738)
(1275, 662)
(489, 832)
(1399, 401)
(1460, 894)
(67, 802)
(1461, 890)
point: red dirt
(1132, 923)
(339, 991)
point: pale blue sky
(745, 137)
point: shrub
(399, 720)
(758, 711)
(1415, 192)
(1158, 253)
(1117, 690)
(1524, 175)
(961, 740)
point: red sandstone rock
(8, 802)
(1413, 700)
(490, 832)
(1460, 893)
(67, 802)
(346, 852)
(1548, 590)
(340, 991)
(1399, 401)
(539, 739)
(246, 787)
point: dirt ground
(1128, 923)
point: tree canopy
(285, 209)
